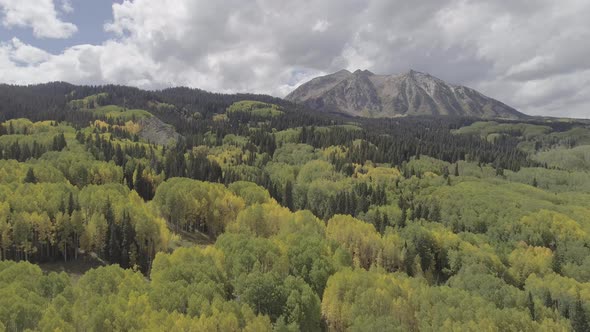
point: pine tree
(62, 207)
(109, 215)
(579, 319)
(377, 221)
(288, 197)
(417, 212)
(80, 137)
(14, 152)
(435, 213)
(402, 219)
(557, 261)
(25, 153)
(417, 270)
(30, 177)
(113, 249)
(547, 300)
(531, 306)
(401, 203)
(139, 183)
(57, 143)
(127, 240)
(61, 138)
(71, 204)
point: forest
(255, 214)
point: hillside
(250, 213)
(363, 93)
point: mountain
(363, 93)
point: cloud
(21, 53)
(66, 6)
(320, 26)
(39, 15)
(532, 55)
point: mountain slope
(363, 93)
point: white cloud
(22, 53)
(66, 6)
(532, 55)
(37, 14)
(320, 26)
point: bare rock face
(155, 131)
(363, 93)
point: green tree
(579, 318)
(531, 306)
(288, 196)
(30, 177)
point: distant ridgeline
(191, 113)
(248, 212)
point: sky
(533, 55)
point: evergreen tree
(139, 184)
(113, 252)
(547, 300)
(127, 240)
(531, 306)
(384, 223)
(445, 172)
(402, 220)
(30, 177)
(71, 204)
(557, 261)
(435, 214)
(579, 318)
(288, 197)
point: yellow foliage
(220, 118)
(262, 220)
(338, 151)
(378, 175)
(101, 124)
(544, 225)
(525, 260)
(131, 127)
(358, 237)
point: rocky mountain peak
(363, 93)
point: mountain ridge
(363, 93)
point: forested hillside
(211, 212)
